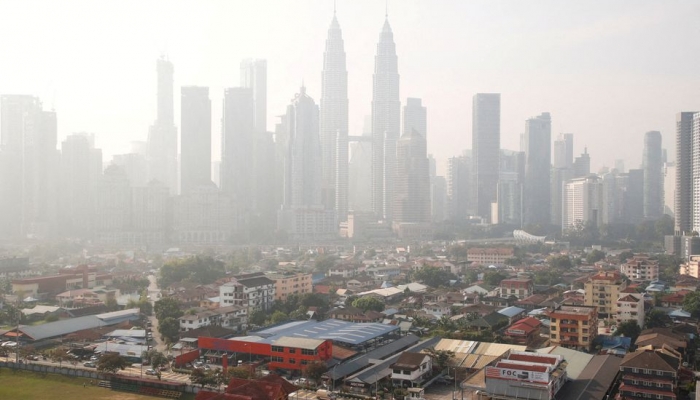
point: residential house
(231, 317)
(492, 322)
(411, 369)
(656, 338)
(518, 287)
(524, 331)
(674, 300)
(513, 313)
(630, 307)
(438, 309)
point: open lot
(22, 385)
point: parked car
(94, 358)
(90, 364)
(151, 371)
(33, 357)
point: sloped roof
(409, 360)
(649, 359)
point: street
(154, 293)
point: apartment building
(630, 307)
(640, 268)
(573, 327)
(232, 317)
(291, 283)
(691, 268)
(602, 291)
(488, 256)
(254, 291)
(651, 374)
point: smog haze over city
(336, 199)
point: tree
(315, 370)
(691, 303)
(434, 277)
(238, 372)
(493, 278)
(26, 351)
(323, 263)
(257, 317)
(167, 307)
(202, 377)
(111, 363)
(628, 329)
(656, 319)
(198, 269)
(155, 358)
(440, 357)
(278, 316)
(169, 329)
(594, 256)
(59, 355)
(624, 256)
(367, 303)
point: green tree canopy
(493, 278)
(198, 269)
(367, 303)
(202, 377)
(155, 358)
(656, 319)
(315, 370)
(169, 329)
(167, 308)
(111, 363)
(628, 329)
(691, 303)
(258, 317)
(594, 256)
(278, 316)
(434, 277)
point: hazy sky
(606, 71)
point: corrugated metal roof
(576, 360)
(299, 343)
(362, 361)
(66, 326)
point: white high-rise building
(386, 120)
(334, 122)
(195, 117)
(486, 147)
(581, 202)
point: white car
(151, 371)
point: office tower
(204, 215)
(684, 173)
(334, 122)
(634, 197)
(581, 202)
(415, 116)
(195, 125)
(564, 151)
(112, 206)
(162, 136)
(135, 166)
(652, 164)
(237, 137)
(254, 77)
(537, 147)
(412, 197)
(612, 203)
(28, 167)
(582, 165)
(459, 178)
(150, 213)
(509, 197)
(80, 169)
(669, 179)
(360, 170)
(695, 160)
(386, 120)
(303, 215)
(486, 147)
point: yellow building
(291, 283)
(602, 291)
(574, 327)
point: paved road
(154, 292)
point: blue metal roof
(332, 329)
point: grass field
(21, 385)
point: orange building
(573, 326)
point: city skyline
(442, 66)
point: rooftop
(332, 329)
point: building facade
(630, 307)
(652, 163)
(537, 147)
(486, 148)
(520, 288)
(195, 126)
(573, 327)
(640, 268)
(602, 291)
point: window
(554, 328)
(585, 322)
(278, 349)
(304, 362)
(277, 359)
(308, 352)
(554, 335)
(292, 351)
(292, 361)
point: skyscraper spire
(386, 115)
(334, 122)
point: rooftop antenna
(386, 9)
(334, 1)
